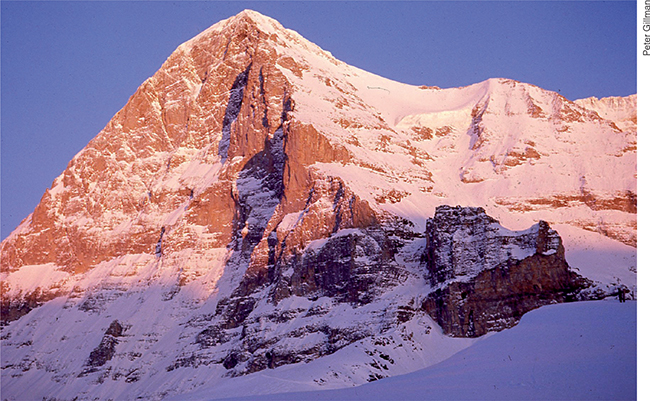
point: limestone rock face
(204, 155)
(486, 277)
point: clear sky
(68, 67)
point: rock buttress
(486, 277)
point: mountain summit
(258, 203)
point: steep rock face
(204, 155)
(206, 165)
(486, 277)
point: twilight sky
(68, 67)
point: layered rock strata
(486, 277)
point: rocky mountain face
(258, 204)
(486, 277)
(621, 111)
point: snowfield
(572, 351)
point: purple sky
(68, 67)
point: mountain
(258, 203)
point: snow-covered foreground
(575, 351)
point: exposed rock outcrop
(105, 351)
(352, 266)
(13, 308)
(486, 277)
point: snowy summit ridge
(258, 205)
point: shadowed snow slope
(577, 351)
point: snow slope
(577, 351)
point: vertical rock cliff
(486, 277)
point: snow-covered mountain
(258, 203)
